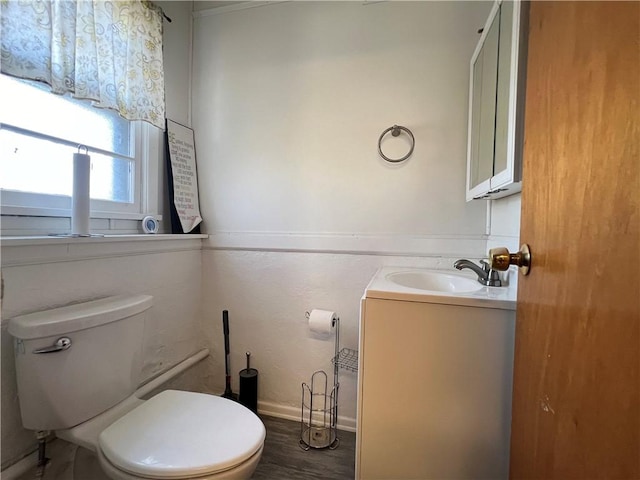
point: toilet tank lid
(80, 316)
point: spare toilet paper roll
(80, 198)
(321, 321)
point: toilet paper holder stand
(319, 410)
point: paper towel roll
(321, 321)
(80, 199)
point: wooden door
(576, 382)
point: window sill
(31, 250)
(19, 241)
(9, 210)
(34, 226)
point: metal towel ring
(395, 131)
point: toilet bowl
(173, 435)
(181, 435)
(77, 369)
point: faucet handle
(493, 278)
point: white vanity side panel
(361, 344)
(435, 391)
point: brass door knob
(500, 259)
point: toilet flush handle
(63, 343)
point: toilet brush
(225, 328)
(249, 386)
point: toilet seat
(241, 472)
(180, 434)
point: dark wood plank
(283, 459)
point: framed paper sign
(183, 178)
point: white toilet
(78, 368)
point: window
(40, 131)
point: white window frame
(147, 154)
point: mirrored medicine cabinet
(496, 103)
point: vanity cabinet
(496, 104)
(434, 391)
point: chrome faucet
(486, 275)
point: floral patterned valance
(106, 51)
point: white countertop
(381, 287)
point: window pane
(34, 108)
(29, 164)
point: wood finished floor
(283, 459)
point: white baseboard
(294, 413)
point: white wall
(505, 229)
(288, 103)
(505, 222)
(176, 39)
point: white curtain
(106, 51)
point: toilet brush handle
(225, 330)
(248, 360)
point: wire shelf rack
(347, 359)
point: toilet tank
(101, 366)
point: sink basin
(415, 284)
(434, 282)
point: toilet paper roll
(80, 198)
(321, 321)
